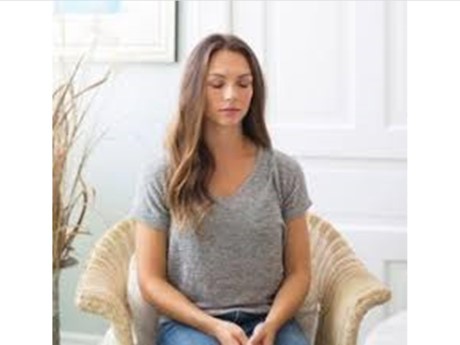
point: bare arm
(155, 289)
(296, 284)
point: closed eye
(218, 86)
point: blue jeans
(172, 332)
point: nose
(229, 92)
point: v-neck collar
(244, 185)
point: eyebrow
(223, 76)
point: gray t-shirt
(237, 264)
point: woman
(221, 240)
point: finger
(237, 342)
(269, 339)
(256, 337)
(241, 336)
(233, 341)
(258, 329)
(255, 341)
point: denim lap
(176, 333)
(291, 334)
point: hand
(263, 334)
(229, 333)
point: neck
(227, 143)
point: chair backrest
(144, 315)
(328, 250)
(102, 286)
(331, 259)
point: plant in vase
(71, 194)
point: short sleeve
(295, 197)
(149, 203)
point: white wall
(337, 102)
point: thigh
(176, 333)
(291, 334)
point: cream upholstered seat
(341, 285)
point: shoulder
(285, 163)
(154, 170)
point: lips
(229, 109)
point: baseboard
(74, 338)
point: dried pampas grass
(71, 194)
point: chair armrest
(349, 300)
(102, 285)
(346, 302)
(345, 289)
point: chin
(229, 123)
(223, 121)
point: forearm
(289, 298)
(172, 303)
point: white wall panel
(396, 57)
(327, 85)
(200, 18)
(362, 194)
(308, 63)
(396, 276)
(248, 21)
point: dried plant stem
(71, 194)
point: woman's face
(228, 88)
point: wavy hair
(190, 162)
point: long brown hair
(190, 162)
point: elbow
(147, 288)
(301, 280)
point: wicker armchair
(341, 285)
